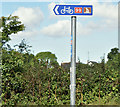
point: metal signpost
(73, 62)
(73, 10)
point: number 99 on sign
(78, 9)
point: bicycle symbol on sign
(68, 10)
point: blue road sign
(73, 10)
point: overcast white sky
(47, 32)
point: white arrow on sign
(56, 9)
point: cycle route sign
(73, 9)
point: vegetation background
(39, 80)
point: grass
(110, 102)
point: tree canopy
(9, 25)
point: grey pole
(73, 62)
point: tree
(112, 54)
(12, 61)
(47, 57)
(23, 47)
(9, 25)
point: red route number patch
(78, 9)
